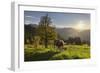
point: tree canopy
(45, 30)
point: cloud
(64, 26)
(28, 16)
(27, 22)
(33, 17)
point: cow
(59, 44)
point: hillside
(65, 33)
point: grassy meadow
(70, 52)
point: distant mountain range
(65, 33)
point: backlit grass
(70, 52)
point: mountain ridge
(65, 33)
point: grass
(50, 53)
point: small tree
(36, 41)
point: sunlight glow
(81, 26)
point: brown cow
(59, 44)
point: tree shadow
(40, 56)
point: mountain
(31, 25)
(65, 33)
(85, 35)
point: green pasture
(41, 53)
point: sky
(61, 20)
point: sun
(81, 26)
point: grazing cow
(59, 44)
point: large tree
(45, 30)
